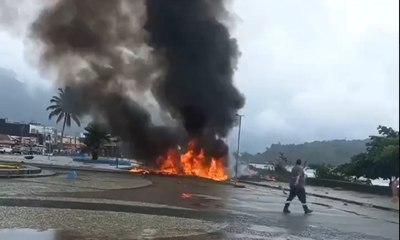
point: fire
(139, 170)
(192, 163)
(186, 195)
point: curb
(89, 169)
(40, 175)
(77, 204)
(119, 171)
(327, 197)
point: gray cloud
(315, 70)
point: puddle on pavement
(203, 201)
(33, 234)
(260, 228)
(271, 237)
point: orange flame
(139, 170)
(186, 195)
(192, 163)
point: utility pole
(44, 139)
(22, 130)
(116, 152)
(238, 145)
(75, 141)
(49, 150)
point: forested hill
(17, 104)
(331, 152)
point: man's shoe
(308, 211)
(286, 211)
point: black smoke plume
(132, 63)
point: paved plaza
(99, 205)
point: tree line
(333, 152)
(380, 160)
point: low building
(27, 134)
(14, 128)
(267, 166)
(6, 140)
(270, 167)
(37, 128)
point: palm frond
(68, 119)
(55, 112)
(96, 136)
(61, 106)
(60, 116)
(52, 107)
(76, 119)
(55, 99)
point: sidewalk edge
(327, 197)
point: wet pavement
(364, 198)
(85, 182)
(87, 224)
(108, 206)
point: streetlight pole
(238, 145)
(44, 139)
(22, 130)
(48, 154)
(75, 141)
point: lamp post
(22, 132)
(238, 145)
(44, 140)
(48, 154)
(116, 153)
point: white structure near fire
(310, 173)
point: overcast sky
(310, 70)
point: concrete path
(84, 182)
(20, 223)
(371, 200)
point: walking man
(297, 180)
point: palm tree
(63, 107)
(95, 138)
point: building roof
(5, 139)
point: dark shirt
(297, 171)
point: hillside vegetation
(332, 152)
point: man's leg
(292, 195)
(301, 194)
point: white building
(36, 128)
(270, 167)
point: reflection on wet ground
(32, 234)
(100, 225)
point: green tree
(95, 138)
(245, 157)
(381, 159)
(334, 152)
(327, 171)
(63, 108)
(281, 160)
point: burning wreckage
(158, 73)
(192, 163)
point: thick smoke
(120, 57)
(15, 15)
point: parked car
(5, 149)
(16, 150)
